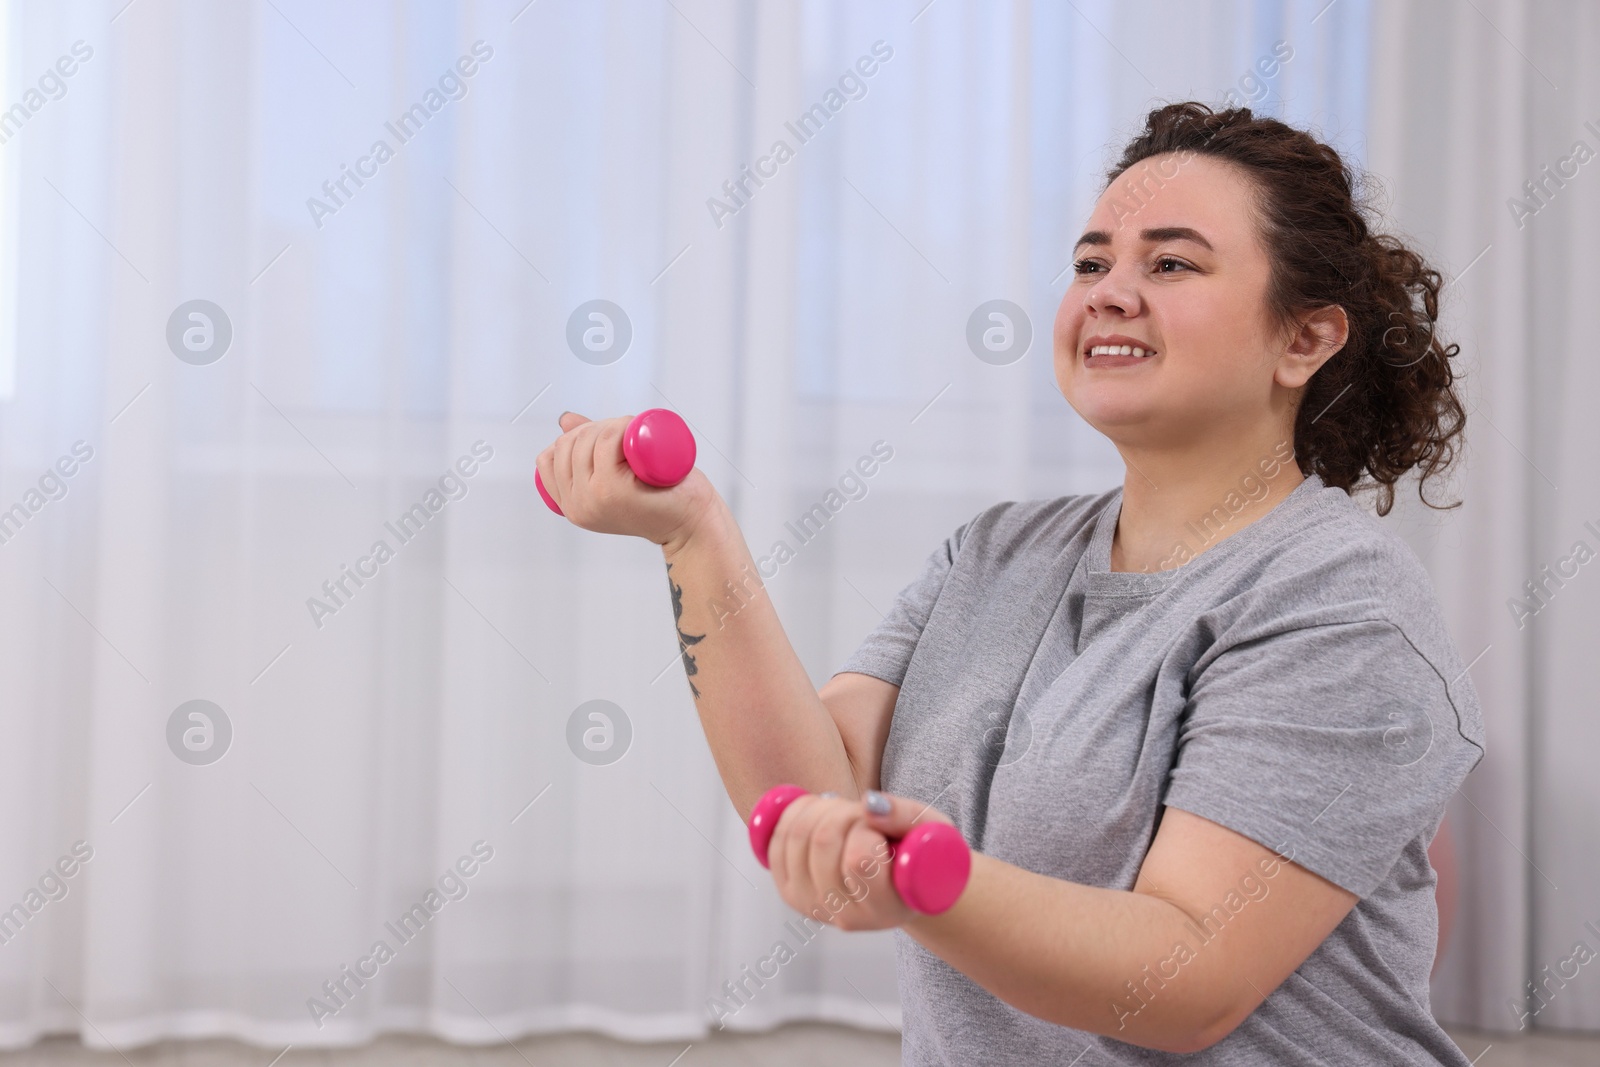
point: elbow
(1201, 1042)
(1192, 1027)
(1213, 1031)
(1181, 1032)
(1184, 1044)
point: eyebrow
(1154, 235)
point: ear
(1316, 339)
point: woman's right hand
(585, 472)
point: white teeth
(1120, 350)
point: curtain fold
(1474, 113)
(403, 729)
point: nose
(1116, 291)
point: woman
(1200, 730)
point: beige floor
(1544, 1050)
(792, 1046)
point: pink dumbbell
(658, 446)
(930, 864)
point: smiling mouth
(1108, 355)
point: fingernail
(877, 803)
(563, 415)
(830, 795)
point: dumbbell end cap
(659, 446)
(538, 483)
(765, 815)
(931, 867)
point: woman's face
(1170, 262)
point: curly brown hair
(1387, 401)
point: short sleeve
(886, 652)
(1335, 745)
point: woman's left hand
(830, 859)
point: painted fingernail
(877, 803)
(830, 795)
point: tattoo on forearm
(684, 640)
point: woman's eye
(1164, 265)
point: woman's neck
(1176, 505)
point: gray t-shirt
(1294, 683)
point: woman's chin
(1111, 414)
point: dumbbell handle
(931, 864)
(658, 447)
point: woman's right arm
(765, 723)
(762, 718)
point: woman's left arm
(1213, 923)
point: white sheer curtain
(1470, 103)
(381, 334)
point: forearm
(762, 717)
(1094, 959)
